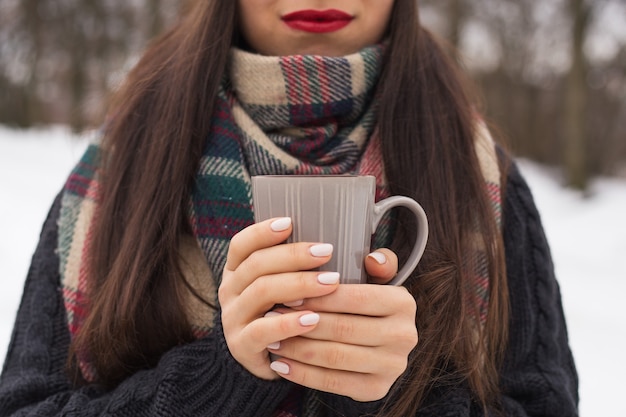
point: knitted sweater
(202, 378)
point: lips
(317, 21)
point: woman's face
(313, 27)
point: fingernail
(323, 249)
(280, 367)
(378, 257)
(328, 278)
(309, 319)
(280, 225)
(296, 303)
(272, 314)
(274, 346)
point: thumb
(381, 265)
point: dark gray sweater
(202, 379)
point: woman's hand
(351, 340)
(359, 347)
(259, 273)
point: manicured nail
(309, 319)
(272, 314)
(296, 303)
(324, 249)
(274, 346)
(328, 278)
(378, 257)
(280, 225)
(280, 367)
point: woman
(153, 293)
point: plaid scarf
(274, 115)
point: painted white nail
(274, 346)
(272, 314)
(323, 249)
(280, 225)
(328, 278)
(280, 367)
(296, 303)
(309, 319)
(378, 257)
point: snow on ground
(587, 235)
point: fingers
(249, 345)
(248, 332)
(261, 235)
(365, 300)
(365, 331)
(259, 273)
(279, 259)
(358, 386)
(381, 265)
(332, 337)
(328, 355)
(264, 292)
(255, 252)
(358, 351)
(274, 327)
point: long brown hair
(160, 120)
(427, 123)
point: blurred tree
(520, 52)
(156, 20)
(59, 59)
(607, 110)
(575, 117)
(455, 16)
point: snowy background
(587, 235)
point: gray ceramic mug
(339, 210)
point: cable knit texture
(202, 379)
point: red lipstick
(317, 21)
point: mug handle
(419, 246)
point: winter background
(587, 235)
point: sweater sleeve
(538, 377)
(200, 378)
